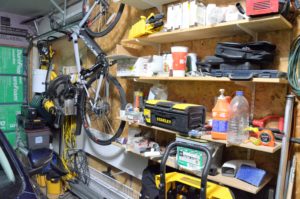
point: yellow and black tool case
(175, 116)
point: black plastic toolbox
(179, 117)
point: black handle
(155, 18)
(240, 8)
(158, 24)
(162, 185)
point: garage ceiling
(30, 8)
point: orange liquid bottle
(221, 116)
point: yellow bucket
(54, 186)
(41, 180)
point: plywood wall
(268, 98)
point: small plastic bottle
(239, 119)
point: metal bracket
(250, 32)
(57, 6)
(36, 27)
(148, 43)
(63, 12)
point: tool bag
(214, 62)
(261, 52)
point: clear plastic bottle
(239, 119)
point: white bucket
(38, 80)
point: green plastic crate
(12, 89)
(8, 115)
(12, 60)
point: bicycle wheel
(104, 17)
(100, 121)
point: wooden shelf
(210, 79)
(120, 57)
(208, 138)
(143, 5)
(228, 181)
(243, 145)
(252, 25)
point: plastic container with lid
(179, 54)
(220, 115)
(239, 119)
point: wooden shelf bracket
(250, 32)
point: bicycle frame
(79, 32)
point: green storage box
(12, 89)
(8, 115)
(12, 60)
(11, 137)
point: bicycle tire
(123, 102)
(111, 25)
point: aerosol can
(221, 116)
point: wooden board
(211, 79)
(146, 4)
(208, 138)
(228, 181)
(257, 25)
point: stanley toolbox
(174, 116)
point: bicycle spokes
(101, 117)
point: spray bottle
(221, 116)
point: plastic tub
(179, 54)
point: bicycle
(95, 91)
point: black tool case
(179, 117)
(247, 74)
(260, 52)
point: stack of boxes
(13, 78)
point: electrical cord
(294, 66)
(73, 159)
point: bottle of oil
(220, 115)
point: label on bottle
(220, 126)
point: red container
(261, 7)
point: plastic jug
(239, 119)
(221, 115)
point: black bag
(149, 190)
(215, 62)
(261, 52)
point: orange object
(267, 138)
(263, 121)
(220, 115)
